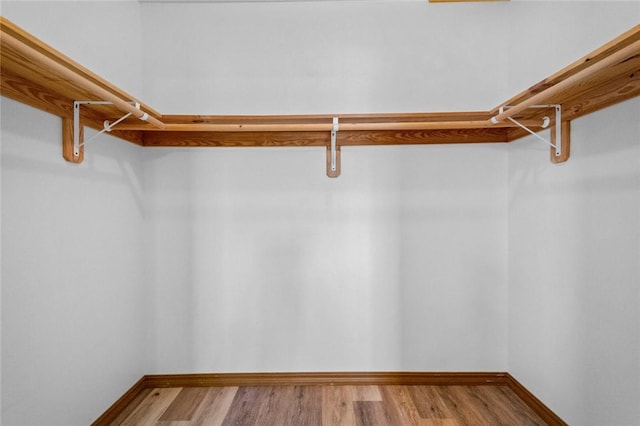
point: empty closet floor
(330, 405)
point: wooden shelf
(38, 75)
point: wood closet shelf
(37, 75)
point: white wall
(74, 311)
(324, 57)
(574, 274)
(574, 235)
(262, 263)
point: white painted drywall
(574, 235)
(262, 263)
(574, 251)
(324, 57)
(74, 301)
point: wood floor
(330, 405)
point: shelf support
(73, 131)
(69, 135)
(333, 151)
(557, 135)
(565, 135)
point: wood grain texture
(67, 141)
(400, 397)
(215, 406)
(317, 127)
(344, 138)
(428, 402)
(598, 93)
(283, 125)
(306, 408)
(230, 139)
(276, 407)
(375, 413)
(565, 134)
(328, 118)
(616, 89)
(337, 406)
(246, 405)
(424, 137)
(21, 90)
(185, 404)
(578, 82)
(326, 378)
(284, 405)
(152, 407)
(334, 173)
(618, 43)
(419, 399)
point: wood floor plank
(439, 422)
(307, 407)
(343, 405)
(274, 410)
(475, 399)
(458, 406)
(152, 407)
(368, 413)
(497, 404)
(429, 403)
(246, 405)
(518, 408)
(185, 404)
(337, 406)
(215, 406)
(400, 396)
(501, 406)
(366, 393)
(376, 413)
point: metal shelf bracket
(333, 151)
(557, 131)
(334, 134)
(77, 142)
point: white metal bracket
(545, 123)
(77, 144)
(334, 134)
(333, 151)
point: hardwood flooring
(329, 405)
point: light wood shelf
(38, 75)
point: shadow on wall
(266, 264)
(102, 164)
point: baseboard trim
(533, 402)
(120, 406)
(148, 382)
(325, 378)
